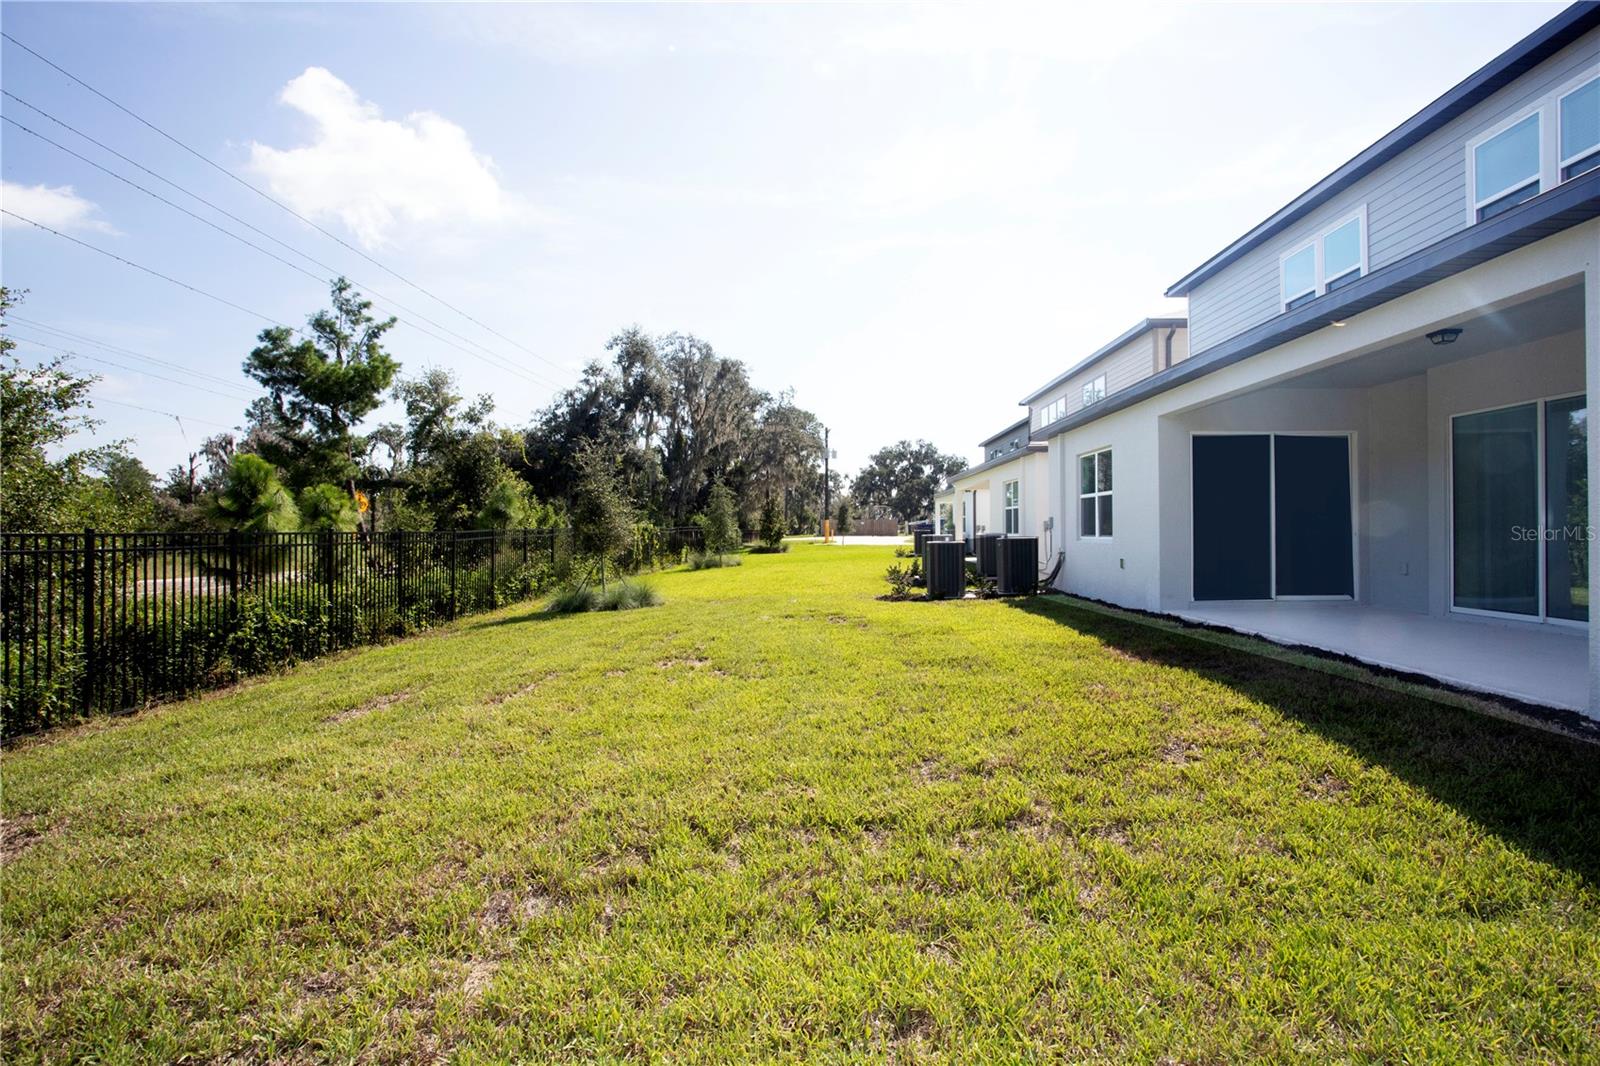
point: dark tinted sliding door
(1495, 498)
(1312, 485)
(1232, 517)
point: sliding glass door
(1566, 480)
(1520, 505)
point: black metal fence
(95, 623)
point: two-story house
(1377, 441)
(1008, 489)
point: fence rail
(94, 623)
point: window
(1050, 412)
(1555, 140)
(1094, 391)
(1094, 494)
(1505, 168)
(1013, 490)
(1580, 130)
(1334, 258)
(1300, 277)
(1519, 510)
(1341, 255)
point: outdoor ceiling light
(1447, 335)
(1336, 323)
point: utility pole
(827, 494)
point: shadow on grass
(1537, 791)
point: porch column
(1591, 377)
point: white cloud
(375, 174)
(56, 206)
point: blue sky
(863, 203)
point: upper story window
(1580, 129)
(1553, 141)
(1053, 411)
(1505, 168)
(1332, 259)
(1094, 391)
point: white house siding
(1402, 519)
(1412, 201)
(1031, 470)
(1128, 365)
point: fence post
(494, 549)
(524, 545)
(455, 536)
(89, 665)
(233, 571)
(552, 546)
(327, 584)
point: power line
(150, 271)
(274, 200)
(133, 369)
(492, 358)
(176, 417)
(58, 333)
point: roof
(1104, 350)
(1022, 423)
(1574, 201)
(1505, 68)
(1032, 448)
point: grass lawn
(778, 818)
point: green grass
(778, 818)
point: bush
(574, 599)
(765, 549)
(625, 595)
(708, 561)
(899, 578)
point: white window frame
(1319, 271)
(1561, 98)
(1012, 498)
(1095, 386)
(1540, 177)
(1053, 411)
(1548, 108)
(1077, 475)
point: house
(1375, 440)
(1008, 490)
(1004, 492)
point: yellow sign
(362, 503)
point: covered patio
(1542, 664)
(1418, 504)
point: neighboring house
(1008, 490)
(1375, 438)
(1005, 492)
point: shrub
(708, 561)
(625, 595)
(628, 595)
(899, 578)
(761, 549)
(575, 599)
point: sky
(909, 215)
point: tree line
(663, 421)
